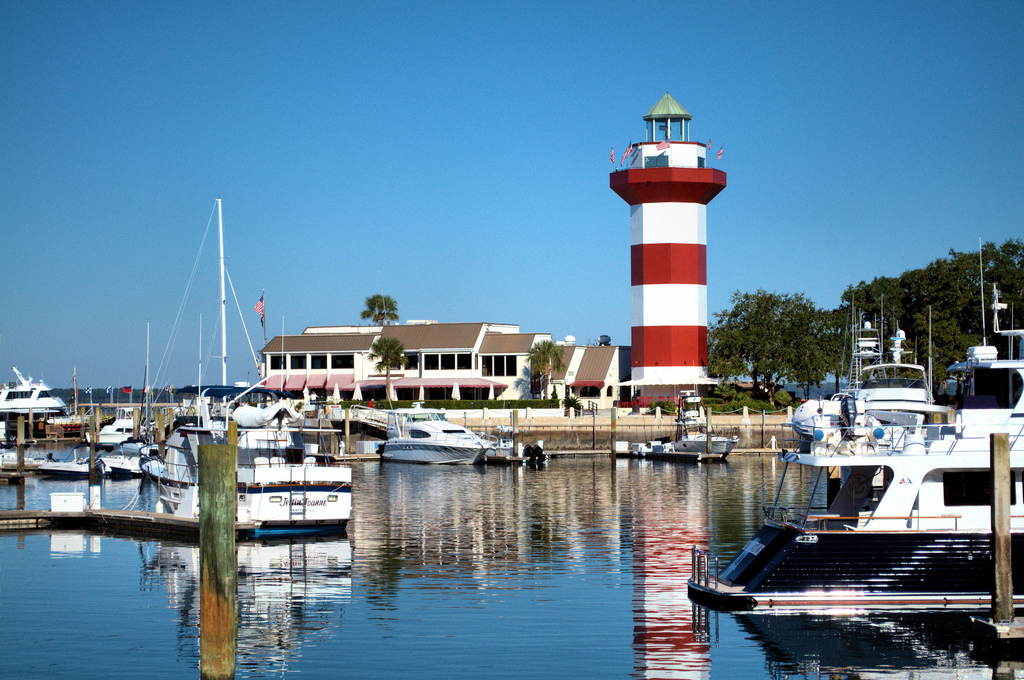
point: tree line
(777, 338)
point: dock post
(515, 432)
(21, 445)
(160, 432)
(218, 559)
(81, 423)
(136, 417)
(348, 424)
(707, 428)
(94, 484)
(613, 433)
(1002, 588)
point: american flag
(613, 154)
(259, 310)
(662, 146)
(709, 145)
(626, 153)
(720, 151)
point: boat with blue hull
(906, 519)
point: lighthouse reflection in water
(575, 570)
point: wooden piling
(218, 560)
(613, 434)
(94, 429)
(348, 424)
(21, 445)
(1002, 587)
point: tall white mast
(223, 303)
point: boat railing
(701, 573)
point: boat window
(971, 487)
(992, 388)
(419, 434)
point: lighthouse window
(700, 161)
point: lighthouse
(667, 184)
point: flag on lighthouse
(613, 153)
(720, 151)
(259, 310)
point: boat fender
(819, 435)
(878, 433)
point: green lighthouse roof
(667, 107)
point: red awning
(274, 382)
(587, 383)
(317, 381)
(339, 381)
(294, 383)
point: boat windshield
(426, 415)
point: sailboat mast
(223, 302)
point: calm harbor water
(575, 570)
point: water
(570, 571)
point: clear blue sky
(457, 160)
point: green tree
(546, 356)
(389, 353)
(380, 308)
(770, 337)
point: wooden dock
(131, 523)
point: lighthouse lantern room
(667, 184)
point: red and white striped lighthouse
(668, 186)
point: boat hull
(434, 454)
(783, 567)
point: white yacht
(424, 435)
(906, 519)
(282, 488)
(876, 391)
(25, 396)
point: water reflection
(496, 572)
(287, 590)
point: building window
(464, 362)
(591, 392)
(412, 361)
(297, 361)
(275, 363)
(318, 361)
(431, 362)
(447, 362)
(343, 361)
(499, 365)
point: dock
(129, 523)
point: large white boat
(424, 435)
(877, 393)
(906, 519)
(26, 396)
(282, 488)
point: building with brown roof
(445, 361)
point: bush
(783, 398)
(571, 401)
(666, 406)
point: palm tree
(546, 356)
(389, 353)
(381, 308)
